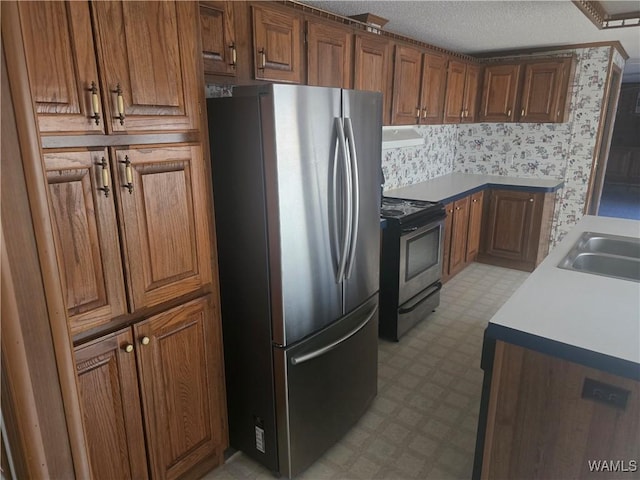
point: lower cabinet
(461, 233)
(152, 394)
(517, 227)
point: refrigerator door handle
(354, 194)
(347, 217)
(297, 360)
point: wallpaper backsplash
(558, 150)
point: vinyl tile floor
(422, 424)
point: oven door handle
(430, 291)
(409, 229)
(346, 216)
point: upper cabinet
(531, 91)
(463, 81)
(418, 86)
(217, 29)
(545, 90)
(277, 44)
(434, 77)
(499, 91)
(329, 50)
(371, 67)
(145, 56)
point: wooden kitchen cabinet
(407, 75)
(163, 212)
(475, 226)
(162, 219)
(418, 86)
(111, 411)
(455, 237)
(545, 90)
(540, 96)
(62, 66)
(329, 54)
(218, 34)
(86, 233)
(372, 68)
(277, 44)
(517, 227)
(144, 54)
(538, 418)
(463, 80)
(499, 93)
(178, 373)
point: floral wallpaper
(404, 166)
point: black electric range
(401, 211)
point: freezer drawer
(324, 385)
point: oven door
(420, 258)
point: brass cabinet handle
(466, 113)
(457, 208)
(475, 200)
(509, 113)
(263, 59)
(120, 98)
(522, 113)
(418, 113)
(234, 55)
(105, 177)
(128, 173)
(95, 103)
(145, 340)
(424, 112)
(128, 348)
(531, 200)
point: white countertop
(448, 186)
(591, 312)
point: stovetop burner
(404, 210)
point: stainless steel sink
(607, 255)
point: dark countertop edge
(500, 186)
(588, 358)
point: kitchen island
(562, 372)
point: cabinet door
(407, 68)
(454, 101)
(61, 62)
(434, 77)
(277, 39)
(86, 237)
(147, 51)
(217, 30)
(110, 403)
(164, 216)
(459, 235)
(371, 67)
(542, 91)
(328, 55)
(499, 93)
(180, 368)
(510, 225)
(471, 88)
(475, 223)
(446, 254)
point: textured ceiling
(486, 26)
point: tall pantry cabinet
(118, 97)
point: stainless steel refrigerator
(296, 185)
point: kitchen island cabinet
(562, 373)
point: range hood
(401, 136)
